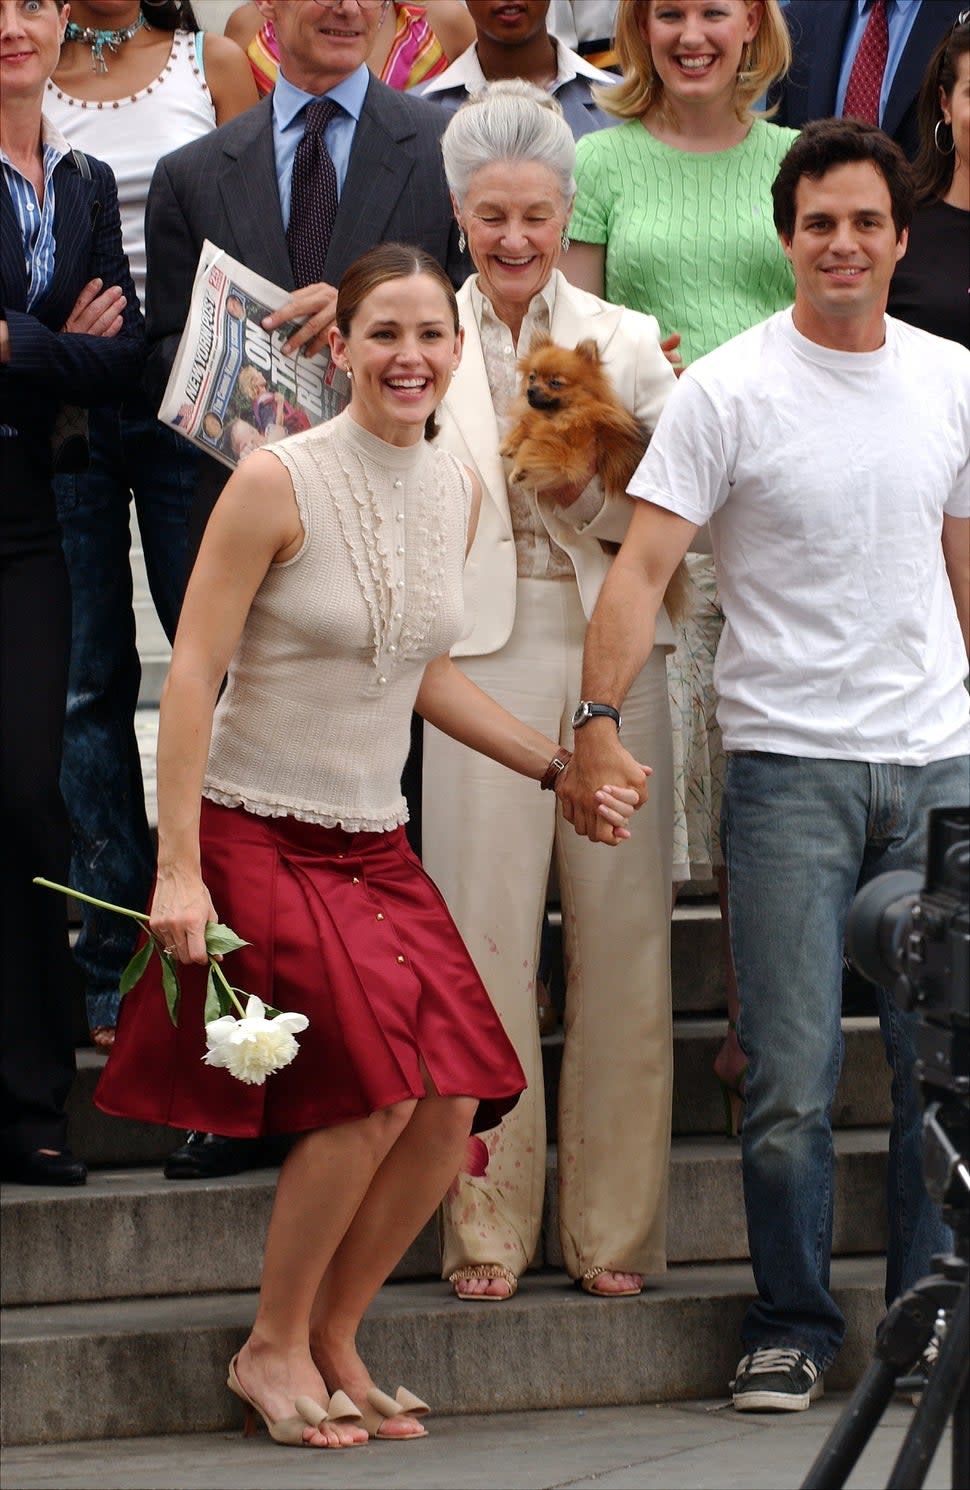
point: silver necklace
(97, 40)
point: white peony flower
(253, 1047)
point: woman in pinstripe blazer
(70, 334)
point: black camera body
(914, 938)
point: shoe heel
(733, 1109)
(250, 1425)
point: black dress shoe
(206, 1156)
(39, 1168)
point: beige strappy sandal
(483, 1270)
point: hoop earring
(936, 139)
(462, 241)
(564, 241)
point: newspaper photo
(231, 388)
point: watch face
(581, 715)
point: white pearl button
(399, 585)
(400, 517)
(398, 615)
(400, 548)
(398, 484)
(382, 680)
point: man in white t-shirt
(829, 448)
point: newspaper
(231, 388)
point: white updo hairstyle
(510, 121)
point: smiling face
(514, 215)
(697, 45)
(321, 44)
(401, 349)
(31, 33)
(843, 250)
(509, 22)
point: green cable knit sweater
(689, 238)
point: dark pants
(36, 1037)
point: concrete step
(154, 1366)
(130, 1232)
(862, 1099)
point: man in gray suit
(233, 186)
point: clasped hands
(602, 786)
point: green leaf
(213, 1001)
(136, 967)
(219, 939)
(170, 985)
(272, 1013)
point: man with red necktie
(861, 58)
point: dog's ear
(589, 351)
(539, 343)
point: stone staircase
(123, 1301)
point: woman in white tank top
(133, 82)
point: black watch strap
(588, 710)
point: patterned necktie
(865, 79)
(313, 197)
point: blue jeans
(800, 837)
(101, 779)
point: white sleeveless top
(132, 134)
(315, 719)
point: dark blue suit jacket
(818, 32)
(46, 368)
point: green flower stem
(217, 970)
(104, 905)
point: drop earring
(462, 241)
(564, 241)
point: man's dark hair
(827, 143)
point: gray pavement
(668, 1446)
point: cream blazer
(629, 344)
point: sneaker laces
(776, 1358)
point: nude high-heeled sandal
(380, 1407)
(309, 1414)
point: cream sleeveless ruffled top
(314, 722)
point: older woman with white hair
(531, 581)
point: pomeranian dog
(568, 411)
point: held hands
(314, 305)
(599, 812)
(97, 311)
(181, 910)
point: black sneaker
(775, 1380)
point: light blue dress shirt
(288, 125)
(900, 15)
(36, 222)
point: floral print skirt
(698, 752)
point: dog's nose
(540, 400)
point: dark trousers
(36, 1037)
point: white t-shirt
(825, 476)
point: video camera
(914, 939)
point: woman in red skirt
(329, 589)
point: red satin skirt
(347, 929)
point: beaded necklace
(98, 40)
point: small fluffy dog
(568, 409)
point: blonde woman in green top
(673, 217)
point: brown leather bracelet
(558, 763)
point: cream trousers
(488, 840)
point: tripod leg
(945, 1390)
(853, 1430)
